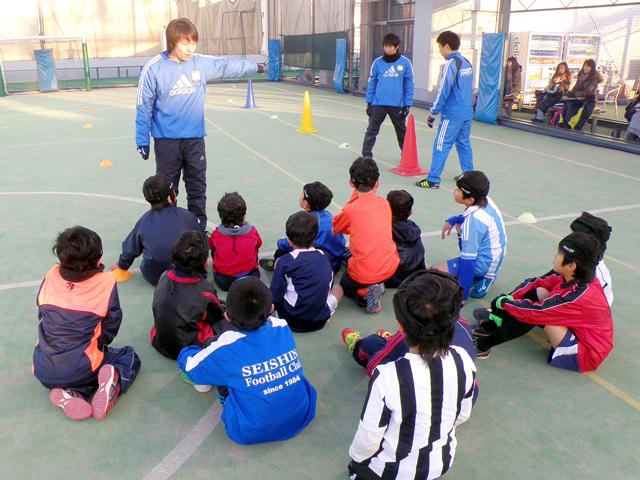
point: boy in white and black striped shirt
(407, 426)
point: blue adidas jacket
(170, 102)
(391, 84)
(269, 397)
(454, 97)
(153, 237)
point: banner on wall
(489, 94)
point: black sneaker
(481, 314)
(481, 354)
(267, 264)
(427, 184)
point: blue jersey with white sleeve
(483, 244)
(170, 100)
(454, 97)
(269, 397)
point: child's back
(482, 234)
(367, 220)
(327, 241)
(269, 397)
(256, 360)
(157, 230)
(235, 249)
(76, 319)
(300, 287)
(182, 299)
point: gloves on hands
(404, 112)
(430, 120)
(368, 110)
(143, 150)
(262, 67)
(496, 303)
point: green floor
(531, 420)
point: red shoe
(384, 334)
(72, 403)
(108, 391)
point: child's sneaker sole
(74, 407)
(374, 292)
(107, 394)
(384, 333)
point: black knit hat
(596, 226)
(474, 184)
(582, 247)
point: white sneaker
(202, 388)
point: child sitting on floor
(185, 305)
(407, 237)
(302, 281)
(415, 402)
(157, 230)
(234, 244)
(79, 316)
(366, 218)
(569, 305)
(265, 397)
(481, 234)
(316, 197)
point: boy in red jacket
(569, 305)
(366, 218)
(234, 243)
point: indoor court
(531, 420)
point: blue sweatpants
(450, 132)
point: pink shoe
(108, 391)
(72, 403)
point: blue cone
(251, 102)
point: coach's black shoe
(267, 264)
(427, 184)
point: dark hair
(514, 63)
(427, 305)
(190, 252)
(596, 226)
(592, 64)
(178, 29)
(78, 249)
(391, 39)
(248, 303)
(585, 251)
(156, 189)
(449, 38)
(364, 174)
(317, 195)
(232, 209)
(302, 229)
(401, 203)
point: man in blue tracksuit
(389, 92)
(170, 108)
(454, 100)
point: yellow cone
(306, 121)
(87, 125)
(121, 275)
(106, 164)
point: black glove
(262, 67)
(368, 110)
(143, 150)
(404, 112)
(430, 120)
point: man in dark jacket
(407, 236)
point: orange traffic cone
(409, 161)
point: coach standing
(170, 108)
